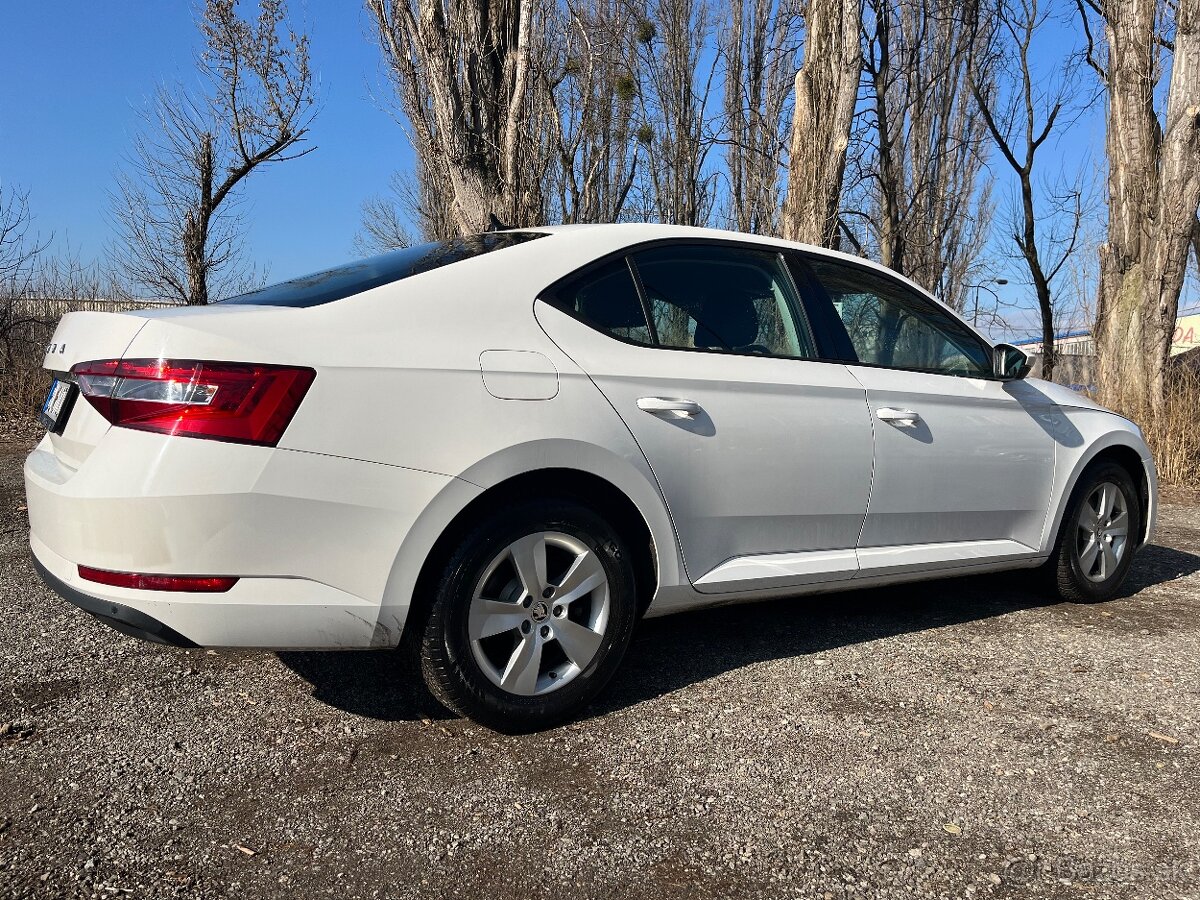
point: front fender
(1101, 431)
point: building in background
(1187, 334)
(1077, 352)
(1069, 343)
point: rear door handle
(902, 418)
(657, 405)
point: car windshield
(364, 274)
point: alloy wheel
(538, 614)
(1103, 533)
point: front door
(964, 462)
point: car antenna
(495, 224)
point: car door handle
(902, 418)
(657, 405)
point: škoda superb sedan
(498, 452)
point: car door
(964, 462)
(763, 455)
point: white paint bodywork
(432, 390)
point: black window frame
(797, 307)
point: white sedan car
(498, 452)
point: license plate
(56, 408)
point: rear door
(964, 462)
(763, 454)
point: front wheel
(531, 618)
(1098, 536)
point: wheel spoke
(492, 617)
(1087, 556)
(1108, 559)
(1087, 518)
(579, 642)
(521, 673)
(1106, 502)
(1119, 526)
(529, 559)
(585, 575)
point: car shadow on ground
(673, 652)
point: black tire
(1065, 570)
(443, 644)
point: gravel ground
(963, 738)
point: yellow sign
(1187, 334)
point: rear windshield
(364, 274)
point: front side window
(722, 298)
(892, 325)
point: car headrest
(727, 315)
(726, 322)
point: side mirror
(1009, 363)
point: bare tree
(1153, 187)
(1021, 115)
(19, 252)
(174, 207)
(588, 74)
(679, 186)
(463, 77)
(826, 94)
(758, 44)
(414, 199)
(384, 226)
(923, 199)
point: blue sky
(73, 75)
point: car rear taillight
(203, 584)
(246, 403)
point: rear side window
(892, 325)
(364, 274)
(721, 298)
(607, 299)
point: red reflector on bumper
(203, 584)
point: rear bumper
(313, 539)
(124, 619)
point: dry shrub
(1174, 434)
(23, 384)
(23, 381)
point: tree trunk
(462, 71)
(826, 91)
(1154, 192)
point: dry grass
(1174, 435)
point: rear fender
(508, 463)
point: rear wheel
(531, 618)
(1098, 536)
